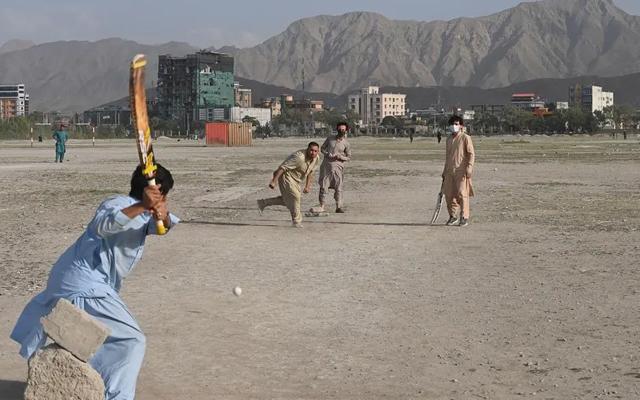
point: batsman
(458, 168)
(90, 273)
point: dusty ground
(537, 298)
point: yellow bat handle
(160, 228)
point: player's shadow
(12, 390)
(226, 223)
(310, 221)
(369, 223)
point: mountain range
(545, 39)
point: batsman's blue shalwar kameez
(89, 274)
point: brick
(74, 330)
(55, 374)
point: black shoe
(261, 205)
(339, 210)
(452, 221)
(464, 221)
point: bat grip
(160, 228)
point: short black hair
(342, 123)
(456, 118)
(311, 144)
(139, 181)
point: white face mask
(454, 128)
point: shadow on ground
(12, 390)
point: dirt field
(537, 298)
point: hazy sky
(207, 23)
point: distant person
(439, 136)
(410, 136)
(60, 136)
(458, 168)
(336, 151)
(624, 135)
(90, 273)
(297, 167)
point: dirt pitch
(537, 298)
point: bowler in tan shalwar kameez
(458, 168)
(289, 176)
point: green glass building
(195, 88)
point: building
(14, 101)
(589, 98)
(307, 105)
(373, 106)
(562, 105)
(108, 115)
(197, 87)
(242, 96)
(489, 109)
(262, 115)
(526, 101)
(274, 104)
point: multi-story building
(262, 115)
(108, 115)
(242, 96)
(590, 98)
(14, 101)
(373, 106)
(274, 104)
(526, 101)
(489, 109)
(197, 87)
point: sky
(206, 23)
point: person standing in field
(60, 136)
(458, 169)
(336, 151)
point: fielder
(336, 151)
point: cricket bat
(140, 117)
(438, 206)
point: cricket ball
(237, 290)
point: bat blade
(138, 99)
(438, 208)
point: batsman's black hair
(139, 181)
(456, 118)
(342, 123)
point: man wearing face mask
(458, 168)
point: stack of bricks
(60, 371)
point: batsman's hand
(160, 210)
(151, 196)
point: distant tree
(254, 122)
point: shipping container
(228, 134)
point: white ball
(237, 290)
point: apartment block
(373, 106)
(14, 101)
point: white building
(14, 101)
(373, 106)
(263, 115)
(590, 98)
